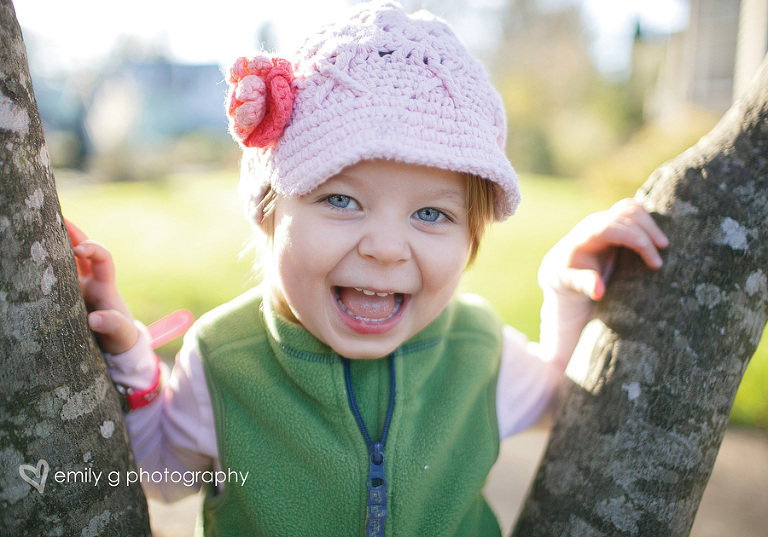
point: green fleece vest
(282, 415)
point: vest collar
(295, 347)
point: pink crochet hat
(379, 85)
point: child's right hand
(109, 315)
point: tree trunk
(656, 372)
(64, 449)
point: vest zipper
(376, 514)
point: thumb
(116, 333)
(585, 281)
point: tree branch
(656, 372)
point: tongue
(368, 307)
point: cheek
(289, 275)
(290, 255)
(443, 267)
(302, 256)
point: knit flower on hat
(260, 99)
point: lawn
(182, 243)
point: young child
(352, 387)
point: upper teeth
(370, 293)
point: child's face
(373, 255)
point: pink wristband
(133, 399)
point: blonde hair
(479, 204)
(480, 212)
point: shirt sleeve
(531, 373)
(174, 436)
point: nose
(385, 243)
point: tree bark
(59, 413)
(656, 372)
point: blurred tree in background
(545, 74)
(567, 118)
(125, 118)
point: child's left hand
(583, 260)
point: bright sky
(615, 22)
(81, 30)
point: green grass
(178, 244)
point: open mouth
(368, 306)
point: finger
(639, 241)
(76, 235)
(632, 210)
(83, 266)
(585, 281)
(99, 260)
(627, 234)
(646, 222)
(116, 333)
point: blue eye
(339, 200)
(429, 214)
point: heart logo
(40, 473)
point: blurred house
(146, 104)
(709, 64)
(132, 117)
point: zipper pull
(377, 493)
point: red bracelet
(133, 399)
